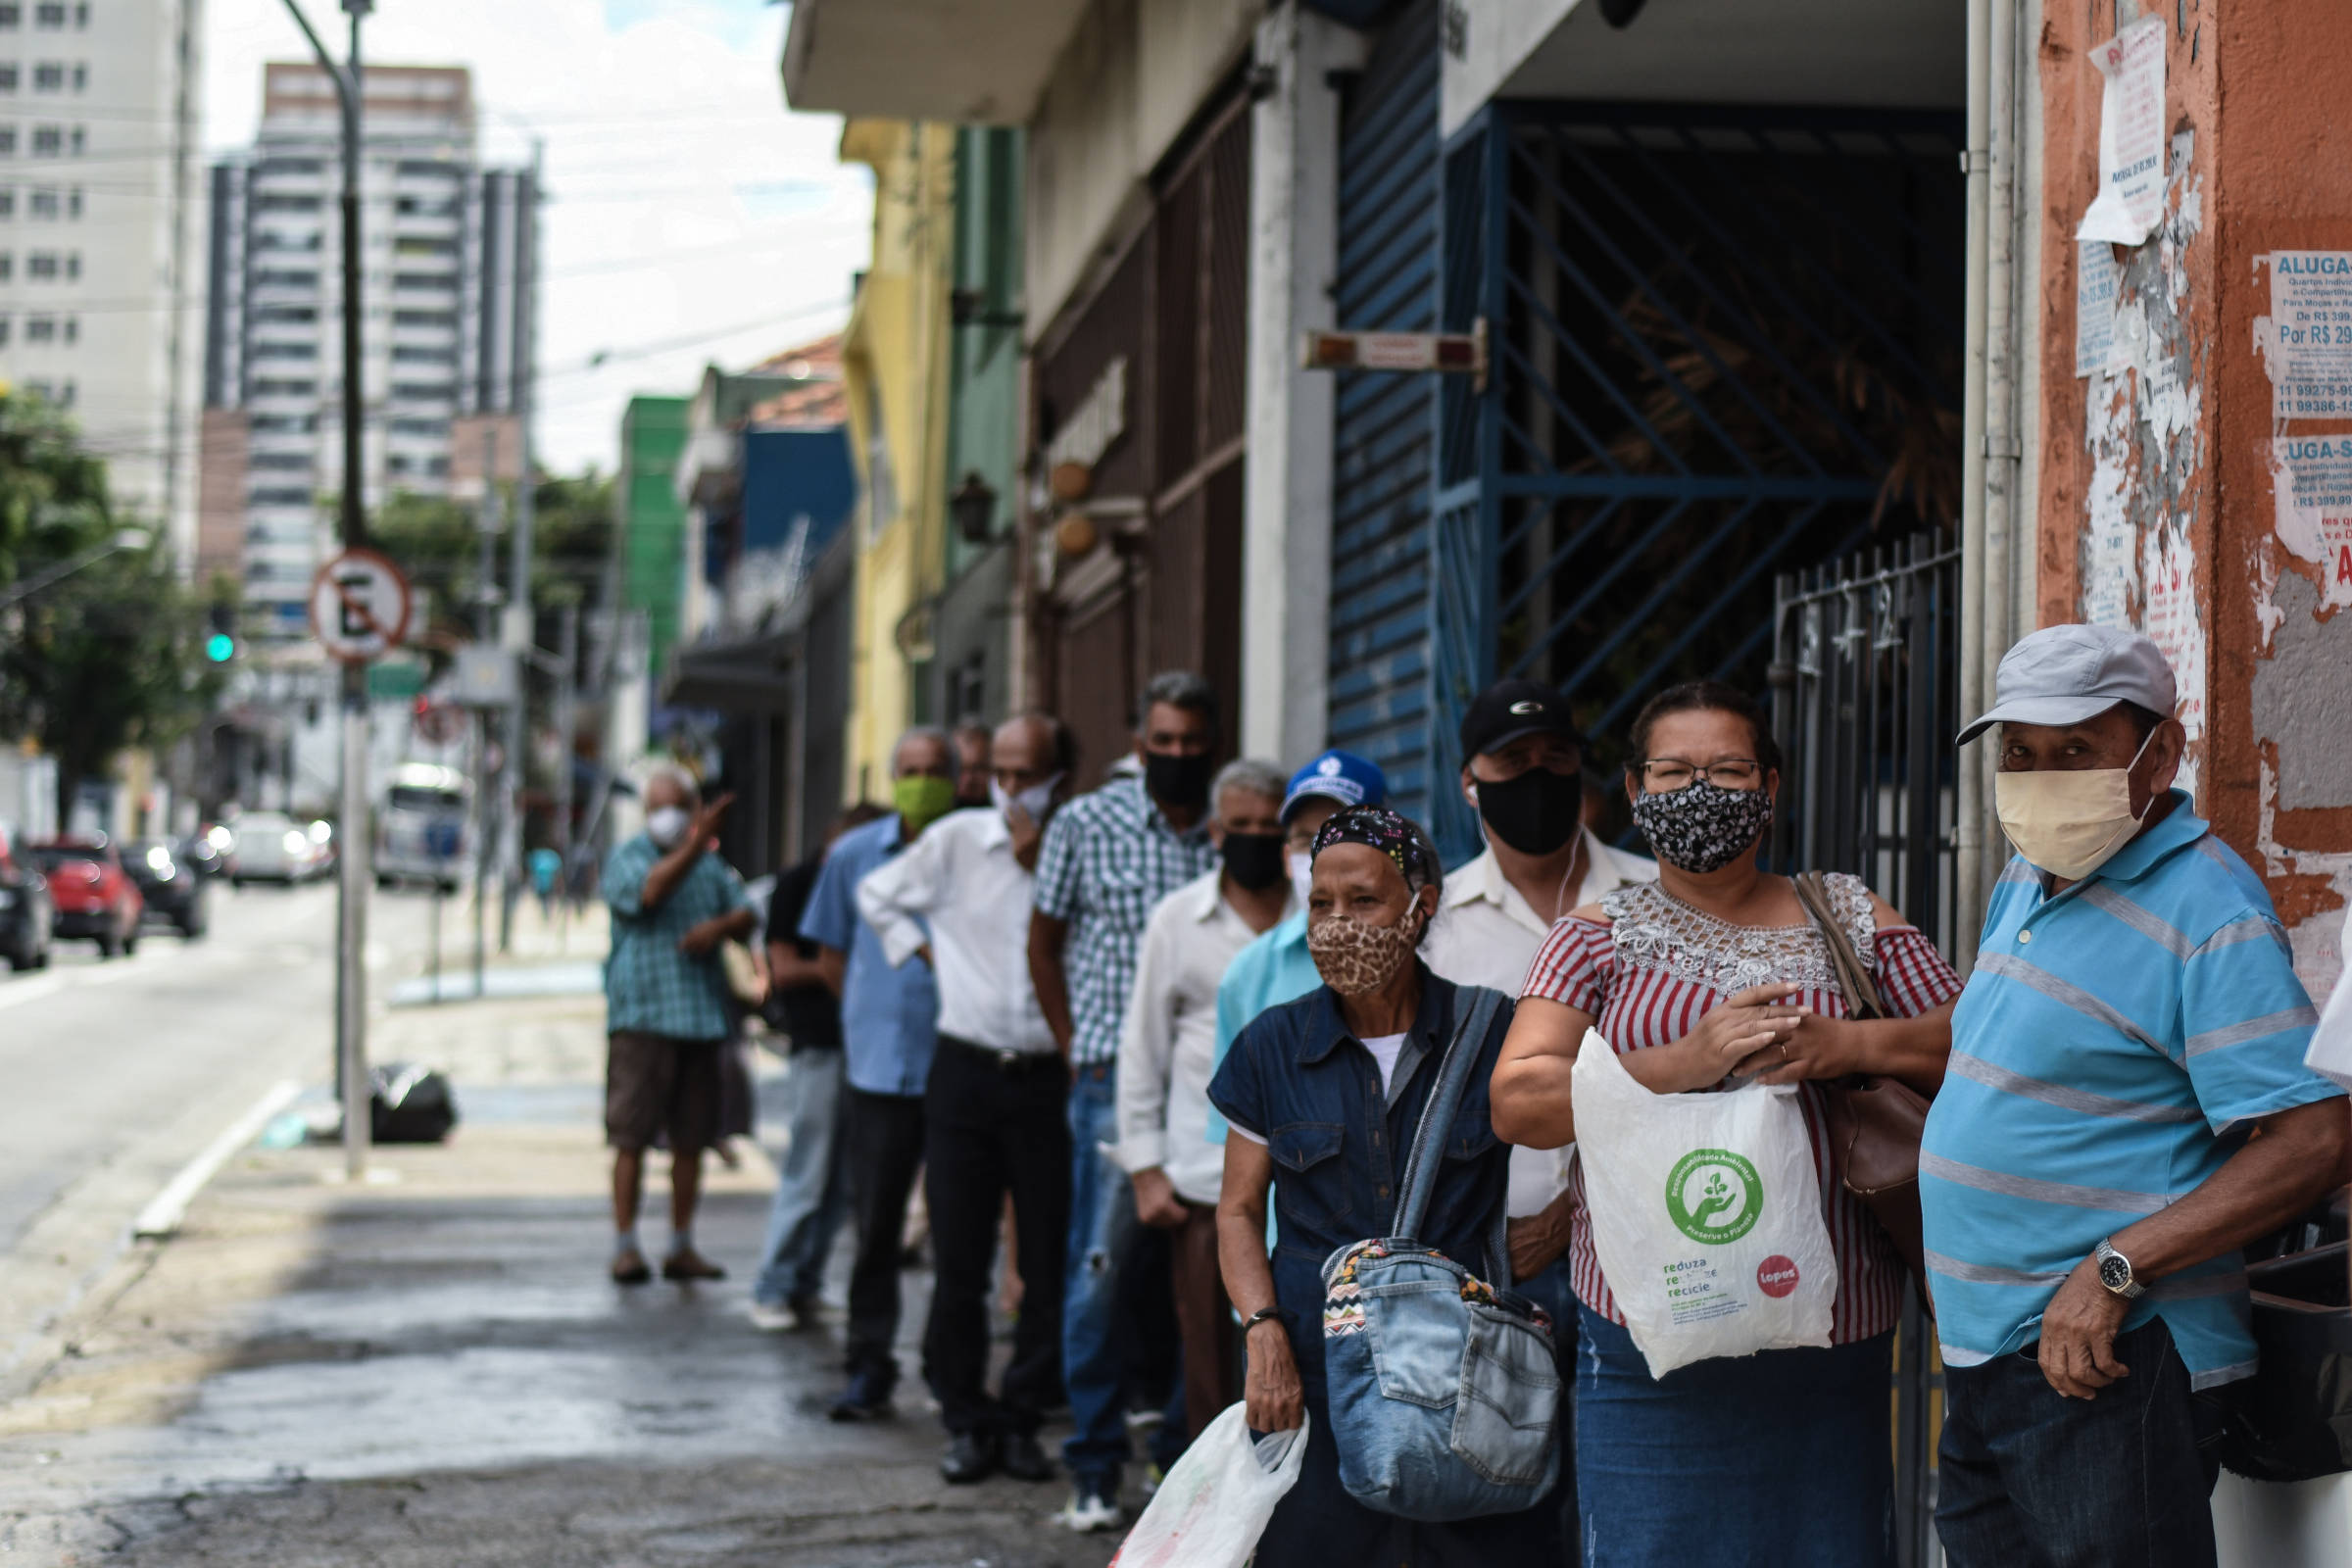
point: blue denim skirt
(1783, 1459)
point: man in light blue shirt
(888, 1022)
(1276, 966)
(2125, 1108)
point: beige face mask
(2069, 823)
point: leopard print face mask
(1354, 958)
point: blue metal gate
(1726, 342)
(1382, 581)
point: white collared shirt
(960, 876)
(1486, 935)
(1167, 1047)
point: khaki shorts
(658, 1083)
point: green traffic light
(220, 647)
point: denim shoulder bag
(1442, 1388)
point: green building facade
(653, 521)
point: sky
(691, 219)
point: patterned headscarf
(1395, 836)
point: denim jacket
(1299, 1080)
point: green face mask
(921, 800)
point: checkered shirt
(1109, 859)
(650, 986)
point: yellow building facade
(895, 365)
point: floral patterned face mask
(1702, 827)
(1354, 958)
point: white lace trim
(1654, 930)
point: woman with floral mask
(1711, 976)
(1323, 1095)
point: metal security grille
(1865, 692)
(1384, 580)
(1727, 341)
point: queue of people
(1166, 1049)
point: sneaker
(866, 1399)
(1091, 1509)
(775, 1317)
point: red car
(95, 898)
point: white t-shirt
(2330, 1054)
(1384, 1049)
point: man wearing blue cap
(2125, 1108)
(1277, 967)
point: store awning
(966, 61)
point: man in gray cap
(2124, 1108)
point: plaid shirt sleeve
(625, 876)
(1060, 862)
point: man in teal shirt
(1276, 967)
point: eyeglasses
(1663, 775)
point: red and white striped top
(1657, 966)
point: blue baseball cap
(1341, 776)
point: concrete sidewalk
(435, 1370)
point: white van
(423, 826)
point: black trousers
(882, 1144)
(993, 1129)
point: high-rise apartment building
(447, 256)
(100, 190)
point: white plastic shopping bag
(1706, 1215)
(1214, 1502)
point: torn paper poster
(2131, 199)
(2313, 479)
(2095, 274)
(2168, 568)
(2306, 341)
(2111, 551)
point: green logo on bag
(1714, 1196)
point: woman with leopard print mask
(1323, 1095)
(1711, 977)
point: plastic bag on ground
(1706, 1215)
(1214, 1502)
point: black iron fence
(1865, 687)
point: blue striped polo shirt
(2111, 1046)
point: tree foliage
(436, 541)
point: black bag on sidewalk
(2292, 1420)
(409, 1105)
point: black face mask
(1256, 860)
(1536, 812)
(1178, 781)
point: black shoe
(972, 1456)
(1023, 1460)
(866, 1399)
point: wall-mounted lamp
(973, 507)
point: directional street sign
(359, 607)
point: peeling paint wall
(2167, 502)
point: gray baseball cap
(2066, 674)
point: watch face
(2113, 1272)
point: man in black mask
(1523, 770)
(1109, 859)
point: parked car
(95, 898)
(272, 847)
(205, 850)
(25, 907)
(168, 882)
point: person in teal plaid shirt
(673, 902)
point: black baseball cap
(1510, 710)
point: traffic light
(221, 645)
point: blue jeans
(1782, 1457)
(2028, 1476)
(811, 1199)
(1103, 1230)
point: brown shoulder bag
(1874, 1124)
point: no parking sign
(359, 607)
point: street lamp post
(351, 912)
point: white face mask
(1037, 800)
(665, 826)
(1303, 875)
(2069, 823)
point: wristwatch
(2115, 1271)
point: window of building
(81, 76)
(38, 390)
(8, 141)
(49, 14)
(424, 319)
(428, 427)
(12, 16)
(40, 329)
(293, 166)
(284, 424)
(76, 139)
(7, 201)
(72, 328)
(290, 314)
(270, 239)
(285, 389)
(434, 391)
(49, 76)
(81, 14)
(42, 202)
(8, 265)
(288, 204)
(286, 351)
(40, 266)
(73, 266)
(73, 202)
(48, 141)
(283, 280)
(282, 461)
(3, 331)
(8, 76)
(405, 354)
(430, 282)
(279, 496)
(411, 246)
(65, 395)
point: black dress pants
(882, 1144)
(994, 1127)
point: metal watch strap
(2132, 1289)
